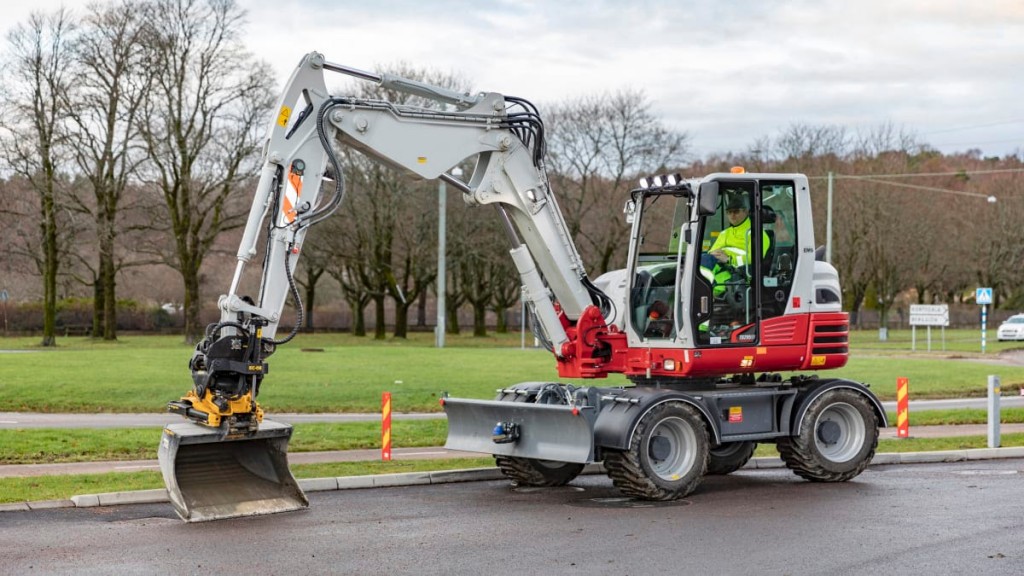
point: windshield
(661, 225)
(1016, 320)
(659, 246)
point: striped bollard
(902, 408)
(385, 428)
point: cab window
(660, 247)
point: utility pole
(442, 201)
(828, 223)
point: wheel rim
(672, 448)
(839, 432)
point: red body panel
(788, 343)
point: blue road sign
(983, 296)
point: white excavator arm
(427, 142)
(302, 182)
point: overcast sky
(950, 71)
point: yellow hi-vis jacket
(735, 242)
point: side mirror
(707, 198)
(630, 211)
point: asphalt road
(961, 518)
(13, 420)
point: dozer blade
(212, 476)
(544, 431)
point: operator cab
(731, 239)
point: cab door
(727, 300)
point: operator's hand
(720, 256)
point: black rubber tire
(729, 457)
(545, 473)
(807, 454)
(638, 473)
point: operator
(732, 245)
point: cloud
(728, 72)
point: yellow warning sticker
(817, 360)
(283, 116)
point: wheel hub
(660, 448)
(829, 432)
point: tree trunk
(502, 323)
(97, 307)
(401, 320)
(358, 316)
(451, 315)
(193, 330)
(50, 263)
(479, 320)
(380, 328)
(108, 281)
(308, 301)
(421, 310)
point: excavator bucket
(540, 431)
(211, 476)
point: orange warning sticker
(762, 350)
(735, 414)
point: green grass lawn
(348, 374)
(140, 374)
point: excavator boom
(227, 460)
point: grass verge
(53, 445)
(63, 487)
(38, 488)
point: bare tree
(389, 225)
(598, 145)
(202, 124)
(37, 92)
(104, 137)
(806, 147)
(308, 274)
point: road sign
(929, 315)
(983, 296)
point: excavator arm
(302, 183)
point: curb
(483, 474)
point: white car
(1012, 329)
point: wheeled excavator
(719, 352)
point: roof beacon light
(737, 170)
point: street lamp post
(442, 198)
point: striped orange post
(902, 407)
(385, 428)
